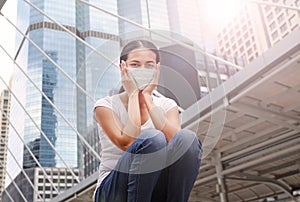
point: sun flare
(221, 10)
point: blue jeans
(152, 170)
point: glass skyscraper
(62, 48)
(150, 14)
(101, 31)
(4, 123)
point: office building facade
(4, 123)
(278, 21)
(101, 31)
(150, 14)
(39, 188)
(185, 20)
(255, 28)
(62, 49)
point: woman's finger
(122, 65)
(156, 74)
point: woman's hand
(127, 81)
(149, 89)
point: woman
(146, 156)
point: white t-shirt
(110, 153)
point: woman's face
(141, 58)
(141, 65)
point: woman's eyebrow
(137, 61)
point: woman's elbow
(124, 144)
(124, 147)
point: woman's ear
(121, 65)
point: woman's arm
(121, 135)
(168, 122)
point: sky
(7, 40)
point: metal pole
(9, 196)
(221, 186)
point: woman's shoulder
(104, 102)
(162, 99)
(109, 101)
(165, 102)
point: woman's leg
(137, 170)
(184, 156)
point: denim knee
(148, 152)
(185, 142)
(150, 140)
(186, 137)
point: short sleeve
(168, 104)
(104, 102)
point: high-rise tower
(257, 27)
(4, 111)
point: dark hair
(136, 44)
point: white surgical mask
(142, 76)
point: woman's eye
(150, 65)
(133, 65)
